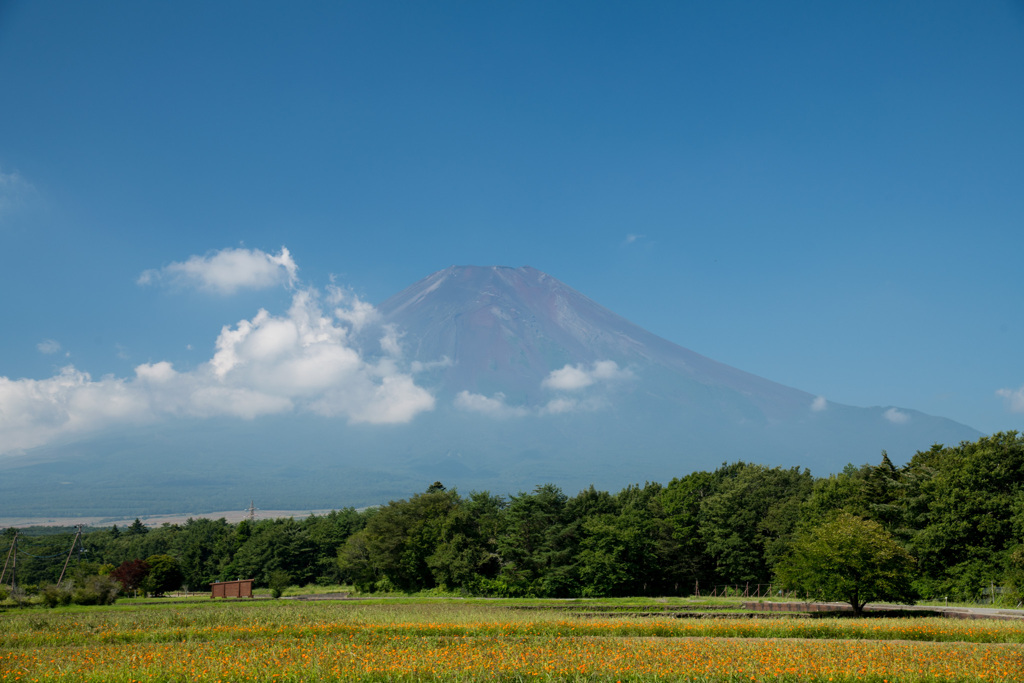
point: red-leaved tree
(130, 574)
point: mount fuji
(553, 379)
(532, 382)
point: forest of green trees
(952, 516)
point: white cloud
(390, 342)
(48, 346)
(570, 378)
(631, 238)
(417, 367)
(575, 377)
(1014, 399)
(564, 404)
(493, 406)
(896, 416)
(302, 361)
(36, 412)
(818, 404)
(557, 406)
(228, 270)
(350, 309)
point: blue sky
(828, 195)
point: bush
(91, 590)
(56, 595)
(96, 590)
(19, 596)
(279, 580)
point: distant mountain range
(533, 382)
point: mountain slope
(504, 331)
(507, 328)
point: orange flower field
(307, 642)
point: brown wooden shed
(231, 589)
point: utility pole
(12, 551)
(73, 542)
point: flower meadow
(449, 641)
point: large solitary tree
(849, 559)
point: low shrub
(56, 595)
(279, 580)
(91, 590)
(96, 590)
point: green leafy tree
(962, 503)
(356, 562)
(466, 557)
(681, 500)
(327, 534)
(748, 523)
(273, 544)
(537, 545)
(851, 559)
(164, 575)
(393, 551)
(630, 549)
(204, 548)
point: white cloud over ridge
(1013, 398)
(493, 406)
(496, 406)
(305, 361)
(228, 270)
(819, 404)
(575, 377)
(896, 416)
(570, 378)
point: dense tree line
(952, 517)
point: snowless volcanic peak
(511, 308)
(505, 330)
(502, 329)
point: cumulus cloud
(572, 379)
(35, 412)
(228, 270)
(575, 377)
(48, 346)
(818, 404)
(350, 309)
(494, 406)
(896, 416)
(305, 360)
(1014, 399)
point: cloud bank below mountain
(307, 360)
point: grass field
(490, 640)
